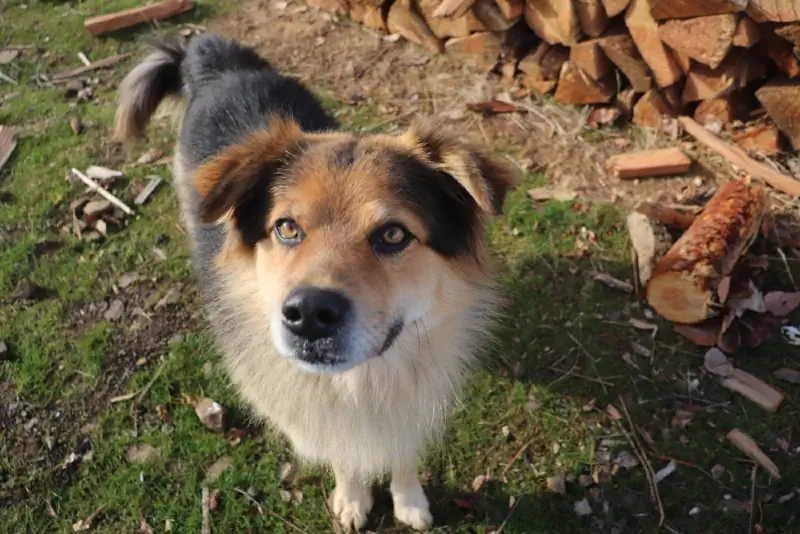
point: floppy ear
(487, 179)
(240, 173)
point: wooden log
(774, 10)
(576, 87)
(511, 9)
(724, 109)
(555, 21)
(684, 283)
(790, 32)
(644, 31)
(448, 27)
(648, 163)
(533, 76)
(453, 9)
(486, 44)
(781, 99)
(404, 20)
(491, 17)
(686, 9)
(590, 57)
(738, 157)
(704, 39)
(764, 138)
(747, 33)
(615, 7)
(128, 18)
(780, 51)
(739, 67)
(592, 17)
(621, 50)
(650, 110)
(745, 443)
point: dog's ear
(240, 173)
(487, 179)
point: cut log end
(680, 298)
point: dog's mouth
(330, 356)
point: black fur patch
(446, 209)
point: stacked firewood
(725, 61)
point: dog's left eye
(390, 239)
(288, 231)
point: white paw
(411, 508)
(351, 504)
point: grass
(67, 361)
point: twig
(250, 498)
(648, 467)
(105, 62)
(582, 377)
(7, 78)
(752, 498)
(788, 269)
(141, 392)
(589, 355)
(514, 459)
(206, 504)
(270, 512)
(103, 193)
(510, 513)
(337, 529)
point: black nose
(314, 313)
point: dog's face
(354, 242)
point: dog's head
(353, 241)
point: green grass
(67, 362)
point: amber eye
(390, 239)
(288, 231)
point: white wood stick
(105, 194)
(84, 59)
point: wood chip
(789, 375)
(746, 444)
(106, 62)
(754, 389)
(648, 163)
(7, 144)
(148, 190)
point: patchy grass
(535, 410)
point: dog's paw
(411, 508)
(351, 504)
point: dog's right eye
(288, 231)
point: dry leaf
(216, 469)
(141, 453)
(781, 303)
(612, 411)
(212, 414)
(789, 375)
(490, 107)
(479, 482)
(746, 444)
(213, 500)
(754, 301)
(234, 436)
(582, 508)
(704, 334)
(717, 471)
(75, 125)
(682, 419)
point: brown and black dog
(347, 279)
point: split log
(491, 17)
(648, 163)
(448, 27)
(367, 14)
(533, 70)
(511, 9)
(555, 21)
(774, 10)
(683, 60)
(486, 44)
(453, 9)
(576, 87)
(754, 389)
(621, 50)
(650, 240)
(686, 9)
(684, 283)
(723, 110)
(644, 31)
(746, 444)
(128, 18)
(704, 39)
(739, 67)
(738, 157)
(650, 110)
(590, 57)
(781, 100)
(762, 138)
(615, 7)
(747, 33)
(404, 20)
(790, 32)
(592, 17)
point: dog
(347, 279)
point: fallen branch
(105, 62)
(103, 193)
(112, 22)
(739, 157)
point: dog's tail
(175, 69)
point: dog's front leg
(351, 500)
(410, 503)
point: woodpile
(732, 64)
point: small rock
(253, 492)
(217, 468)
(694, 511)
(114, 311)
(583, 508)
(556, 484)
(286, 496)
(8, 55)
(96, 207)
(127, 279)
(141, 453)
(212, 414)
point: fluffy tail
(175, 69)
(157, 77)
